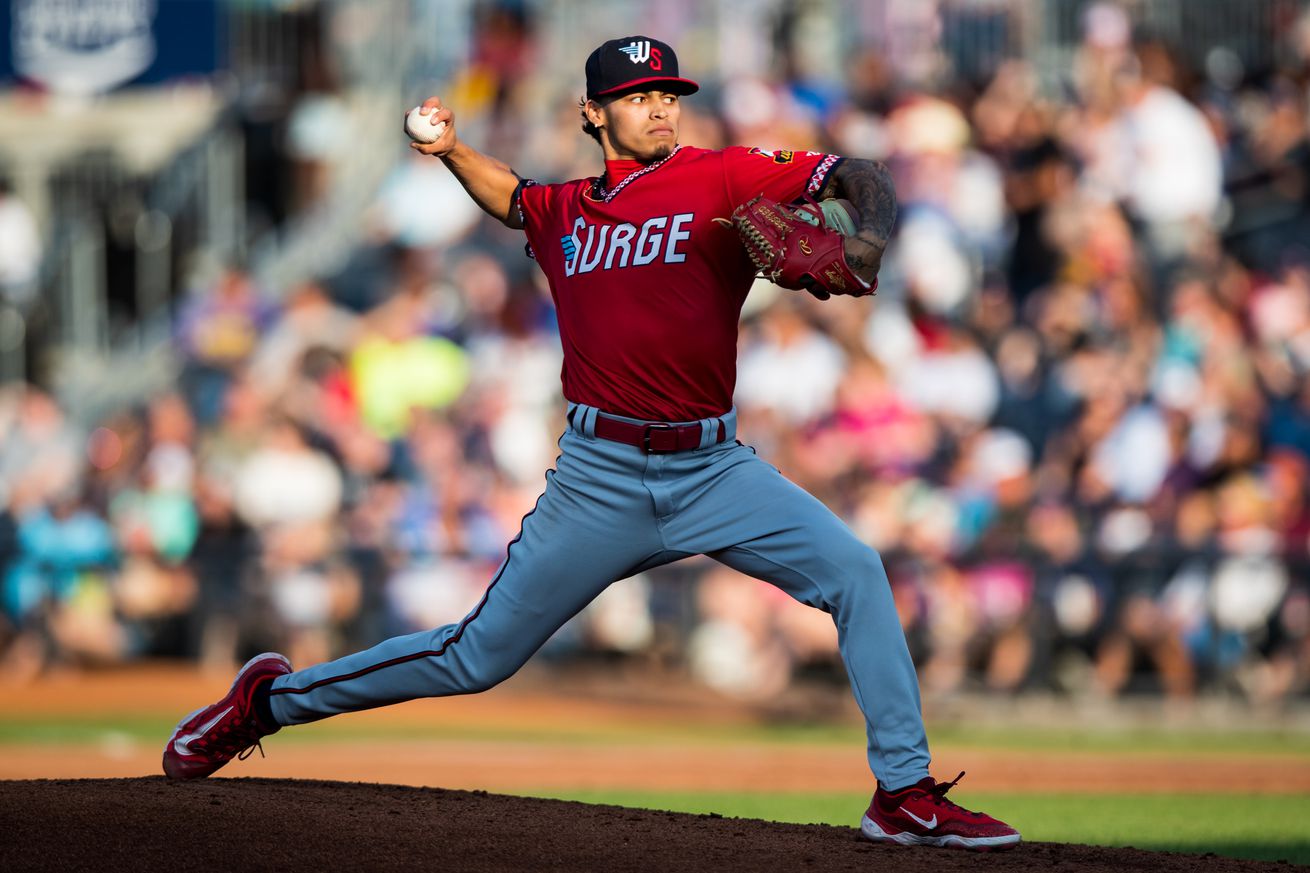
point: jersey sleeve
(531, 200)
(534, 203)
(778, 174)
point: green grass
(16, 728)
(1171, 740)
(1260, 827)
(19, 730)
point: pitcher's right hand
(433, 112)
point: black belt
(654, 437)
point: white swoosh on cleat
(181, 743)
(929, 824)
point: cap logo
(639, 52)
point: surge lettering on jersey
(610, 246)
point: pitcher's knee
(859, 562)
(860, 573)
(484, 678)
(485, 675)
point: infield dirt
(151, 824)
(526, 737)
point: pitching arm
(490, 182)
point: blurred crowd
(1075, 421)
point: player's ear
(594, 113)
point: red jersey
(647, 285)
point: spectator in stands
(217, 332)
(290, 494)
(396, 368)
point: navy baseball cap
(635, 62)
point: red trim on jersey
(821, 173)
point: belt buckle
(645, 438)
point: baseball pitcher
(649, 264)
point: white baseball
(420, 127)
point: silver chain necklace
(607, 196)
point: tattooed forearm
(864, 257)
(868, 185)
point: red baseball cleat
(210, 737)
(922, 816)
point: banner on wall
(86, 47)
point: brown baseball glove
(797, 247)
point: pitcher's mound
(269, 824)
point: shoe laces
(938, 793)
(237, 737)
(250, 750)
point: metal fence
(122, 244)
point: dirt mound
(269, 824)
